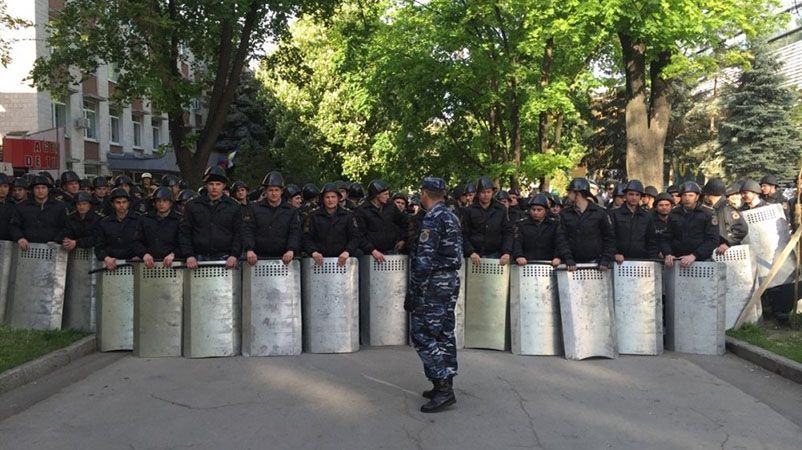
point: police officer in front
(692, 231)
(274, 227)
(115, 235)
(432, 294)
(383, 225)
(157, 233)
(537, 237)
(486, 228)
(81, 224)
(39, 219)
(6, 208)
(635, 235)
(331, 230)
(212, 225)
(20, 189)
(732, 228)
(587, 228)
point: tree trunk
(646, 118)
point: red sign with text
(31, 153)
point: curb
(772, 362)
(39, 367)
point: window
(114, 126)
(90, 114)
(114, 72)
(59, 115)
(90, 169)
(157, 132)
(137, 133)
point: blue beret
(433, 184)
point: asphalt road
(370, 400)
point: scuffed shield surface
(486, 293)
(80, 309)
(331, 306)
(695, 302)
(459, 310)
(158, 315)
(586, 310)
(37, 289)
(212, 311)
(638, 291)
(741, 272)
(271, 308)
(535, 327)
(768, 235)
(6, 262)
(382, 289)
(115, 317)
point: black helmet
(689, 186)
(182, 184)
(202, 190)
(514, 191)
(733, 188)
(620, 190)
(751, 186)
(163, 193)
(137, 189)
(400, 195)
(502, 195)
(86, 183)
(273, 178)
(5, 179)
(292, 190)
(651, 191)
(117, 193)
(415, 199)
(341, 185)
(169, 180)
(484, 183)
(121, 180)
(458, 191)
(356, 191)
(237, 185)
(470, 188)
(100, 182)
(663, 196)
(714, 187)
(579, 184)
(21, 182)
(47, 175)
(673, 189)
(770, 180)
(376, 187)
(310, 192)
(83, 197)
(186, 195)
(40, 180)
(68, 176)
(329, 187)
(539, 200)
(215, 173)
(558, 201)
(635, 186)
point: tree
(8, 23)
(152, 42)
(759, 136)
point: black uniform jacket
(589, 235)
(212, 230)
(538, 240)
(331, 234)
(39, 223)
(157, 235)
(732, 228)
(486, 231)
(7, 208)
(383, 228)
(82, 229)
(273, 230)
(117, 238)
(693, 231)
(635, 235)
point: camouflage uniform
(434, 288)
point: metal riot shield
(80, 311)
(534, 311)
(382, 289)
(330, 306)
(6, 261)
(115, 309)
(212, 311)
(638, 293)
(38, 281)
(586, 311)
(486, 291)
(695, 302)
(158, 298)
(271, 308)
(768, 235)
(741, 271)
(459, 309)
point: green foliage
(759, 135)
(8, 23)
(782, 342)
(20, 346)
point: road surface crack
(522, 406)
(202, 408)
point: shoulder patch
(424, 236)
(714, 220)
(735, 215)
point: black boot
(443, 397)
(430, 392)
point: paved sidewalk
(370, 400)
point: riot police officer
(673, 190)
(331, 230)
(732, 227)
(486, 228)
(400, 201)
(750, 195)
(619, 197)
(212, 225)
(432, 294)
(770, 194)
(20, 189)
(6, 208)
(183, 197)
(663, 204)
(100, 190)
(649, 195)
(537, 237)
(383, 225)
(513, 212)
(115, 234)
(692, 232)
(70, 186)
(356, 193)
(274, 227)
(173, 183)
(633, 225)
(81, 223)
(293, 195)
(39, 219)
(310, 193)
(587, 228)
(157, 233)
(239, 192)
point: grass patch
(20, 346)
(779, 340)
